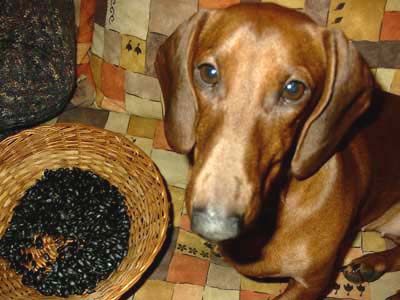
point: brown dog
(291, 152)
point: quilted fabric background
(118, 39)
(117, 42)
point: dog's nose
(213, 224)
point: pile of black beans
(85, 214)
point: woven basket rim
(11, 140)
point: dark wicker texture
(25, 156)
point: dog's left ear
(346, 95)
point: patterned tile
(248, 295)
(217, 4)
(155, 290)
(391, 26)
(223, 277)
(84, 115)
(112, 47)
(372, 241)
(188, 269)
(117, 122)
(359, 19)
(344, 289)
(133, 53)
(187, 291)
(191, 244)
(142, 127)
(154, 40)
(160, 140)
(164, 17)
(288, 3)
(386, 286)
(211, 293)
(177, 198)
(173, 166)
(112, 82)
(142, 107)
(129, 17)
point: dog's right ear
(173, 66)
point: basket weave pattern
(25, 156)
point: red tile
(217, 4)
(112, 82)
(391, 26)
(188, 269)
(84, 69)
(86, 21)
(248, 295)
(160, 141)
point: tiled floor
(188, 268)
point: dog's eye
(293, 90)
(209, 74)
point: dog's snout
(214, 224)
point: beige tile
(143, 143)
(357, 240)
(129, 17)
(144, 108)
(384, 77)
(191, 244)
(386, 286)
(288, 3)
(177, 198)
(143, 86)
(372, 241)
(173, 166)
(262, 287)
(187, 292)
(117, 122)
(223, 277)
(142, 127)
(166, 17)
(392, 5)
(112, 46)
(211, 293)
(155, 290)
(98, 40)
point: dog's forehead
(263, 24)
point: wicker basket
(25, 156)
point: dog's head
(249, 88)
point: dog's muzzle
(213, 224)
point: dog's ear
(345, 96)
(173, 65)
